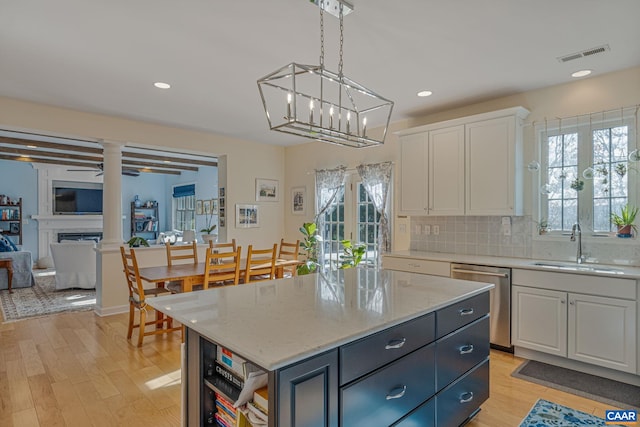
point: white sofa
(75, 264)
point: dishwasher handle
(480, 273)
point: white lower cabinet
(592, 329)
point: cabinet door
(539, 319)
(491, 156)
(308, 393)
(413, 174)
(602, 331)
(446, 171)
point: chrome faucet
(576, 228)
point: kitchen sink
(578, 267)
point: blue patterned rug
(549, 414)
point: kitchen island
(348, 347)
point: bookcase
(144, 221)
(11, 220)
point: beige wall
(610, 91)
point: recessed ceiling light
(425, 93)
(167, 161)
(581, 73)
(31, 146)
(162, 85)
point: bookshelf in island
(343, 348)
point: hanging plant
(621, 169)
(577, 184)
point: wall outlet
(427, 229)
(506, 225)
(418, 229)
(436, 230)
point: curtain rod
(602, 113)
(346, 168)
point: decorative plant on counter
(577, 184)
(625, 220)
(206, 236)
(137, 241)
(352, 254)
(310, 246)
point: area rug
(545, 413)
(43, 299)
(615, 393)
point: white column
(112, 194)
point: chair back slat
(180, 252)
(134, 282)
(289, 251)
(222, 268)
(223, 247)
(261, 264)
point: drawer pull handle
(466, 311)
(466, 397)
(414, 265)
(466, 349)
(397, 394)
(395, 344)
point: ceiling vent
(587, 52)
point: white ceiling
(103, 56)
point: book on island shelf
(231, 360)
(261, 399)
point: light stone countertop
(592, 269)
(276, 323)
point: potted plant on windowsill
(625, 220)
(137, 241)
(208, 230)
(543, 226)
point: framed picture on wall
(198, 207)
(247, 216)
(267, 190)
(214, 206)
(298, 200)
(206, 207)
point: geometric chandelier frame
(313, 102)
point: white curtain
(375, 180)
(328, 186)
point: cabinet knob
(466, 397)
(466, 349)
(466, 311)
(397, 392)
(562, 301)
(395, 344)
(572, 302)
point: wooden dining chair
(178, 253)
(137, 300)
(223, 247)
(222, 268)
(261, 264)
(289, 252)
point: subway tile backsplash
(482, 235)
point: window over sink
(589, 169)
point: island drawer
(423, 416)
(457, 315)
(388, 394)
(457, 402)
(460, 351)
(366, 355)
(413, 265)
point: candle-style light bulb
(331, 117)
(311, 112)
(289, 106)
(348, 122)
(364, 127)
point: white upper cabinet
(467, 166)
(446, 171)
(413, 174)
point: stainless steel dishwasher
(500, 299)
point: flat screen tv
(77, 200)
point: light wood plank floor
(78, 369)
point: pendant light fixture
(313, 102)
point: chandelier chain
(321, 36)
(340, 64)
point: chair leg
(143, 319)
(131, 318)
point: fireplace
(80, 236)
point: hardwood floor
(78, 369)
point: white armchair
(75, 264)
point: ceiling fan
(100, 169)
